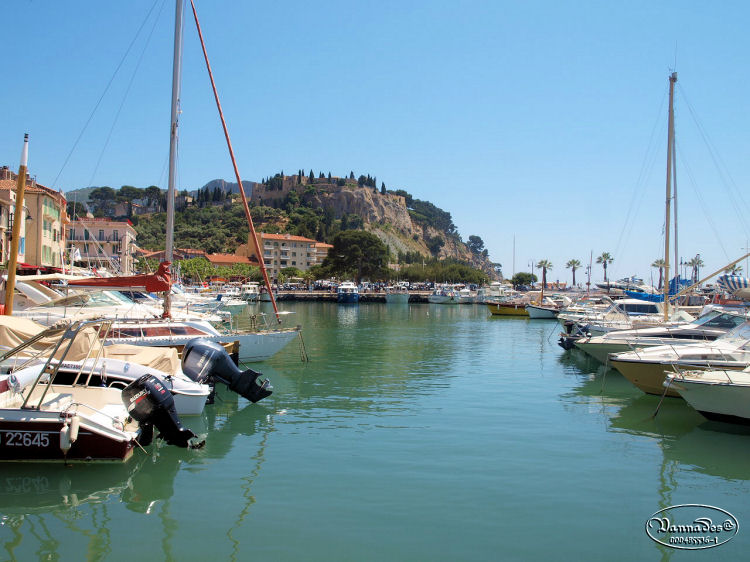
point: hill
(212, 218)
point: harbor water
(414, 432)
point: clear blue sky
(540, 120)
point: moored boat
(717, 394)
(397, 295)
(41, 420)
(508, 308)
(347, 293)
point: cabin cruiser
(444, 294)
(347, 293)
(397, 295)
(715, 323)
(645, 368)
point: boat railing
(117, 423)
(52, 365)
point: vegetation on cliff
(322, 208)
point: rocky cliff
(387, 216)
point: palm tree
(544, 265)
(605, 259)
(659, 264)
(733, 270)
(696, 263)
(573, 265)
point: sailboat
(254, 345)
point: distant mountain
(80, 195)
(228, 187)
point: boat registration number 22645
(24, 438)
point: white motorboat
(42, 420)
(645, 368)
(708, 327)
(89, 362)
(719, 395)
(250, 292)
(444, 294)
(397, 295)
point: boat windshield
(720, 320)
(741, 332)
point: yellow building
(41, 243)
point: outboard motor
(151, 404)
(205, 361)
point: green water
(415, 432)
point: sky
(540, 126)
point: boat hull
(540, 312)
(36, 437)
(600, 351)
(717, 401)
(442, 299)
(498, 309)
(347, 298)
(397, 298)
(647, 376)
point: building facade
(103, 243)
(283, 250)
(42, 242)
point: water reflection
(37, 498)
(686, 439)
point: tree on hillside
(573, 265)
(475, 244)
(605, 259)
(382, 188)
(128, 193)
(357, 253)
(76, 210)
(155, 196)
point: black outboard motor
(150, 403)
(205, 361)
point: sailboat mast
(174, 124)
(10, 284)
(670, 144)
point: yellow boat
(510, 308)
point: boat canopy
(152, 283)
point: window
(115, 235)
(72, 234)
(85, 233)
(101, 234)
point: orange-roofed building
(229, 260)
(283, 250)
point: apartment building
(103, 242)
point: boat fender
(75, 423)
(65, 442)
